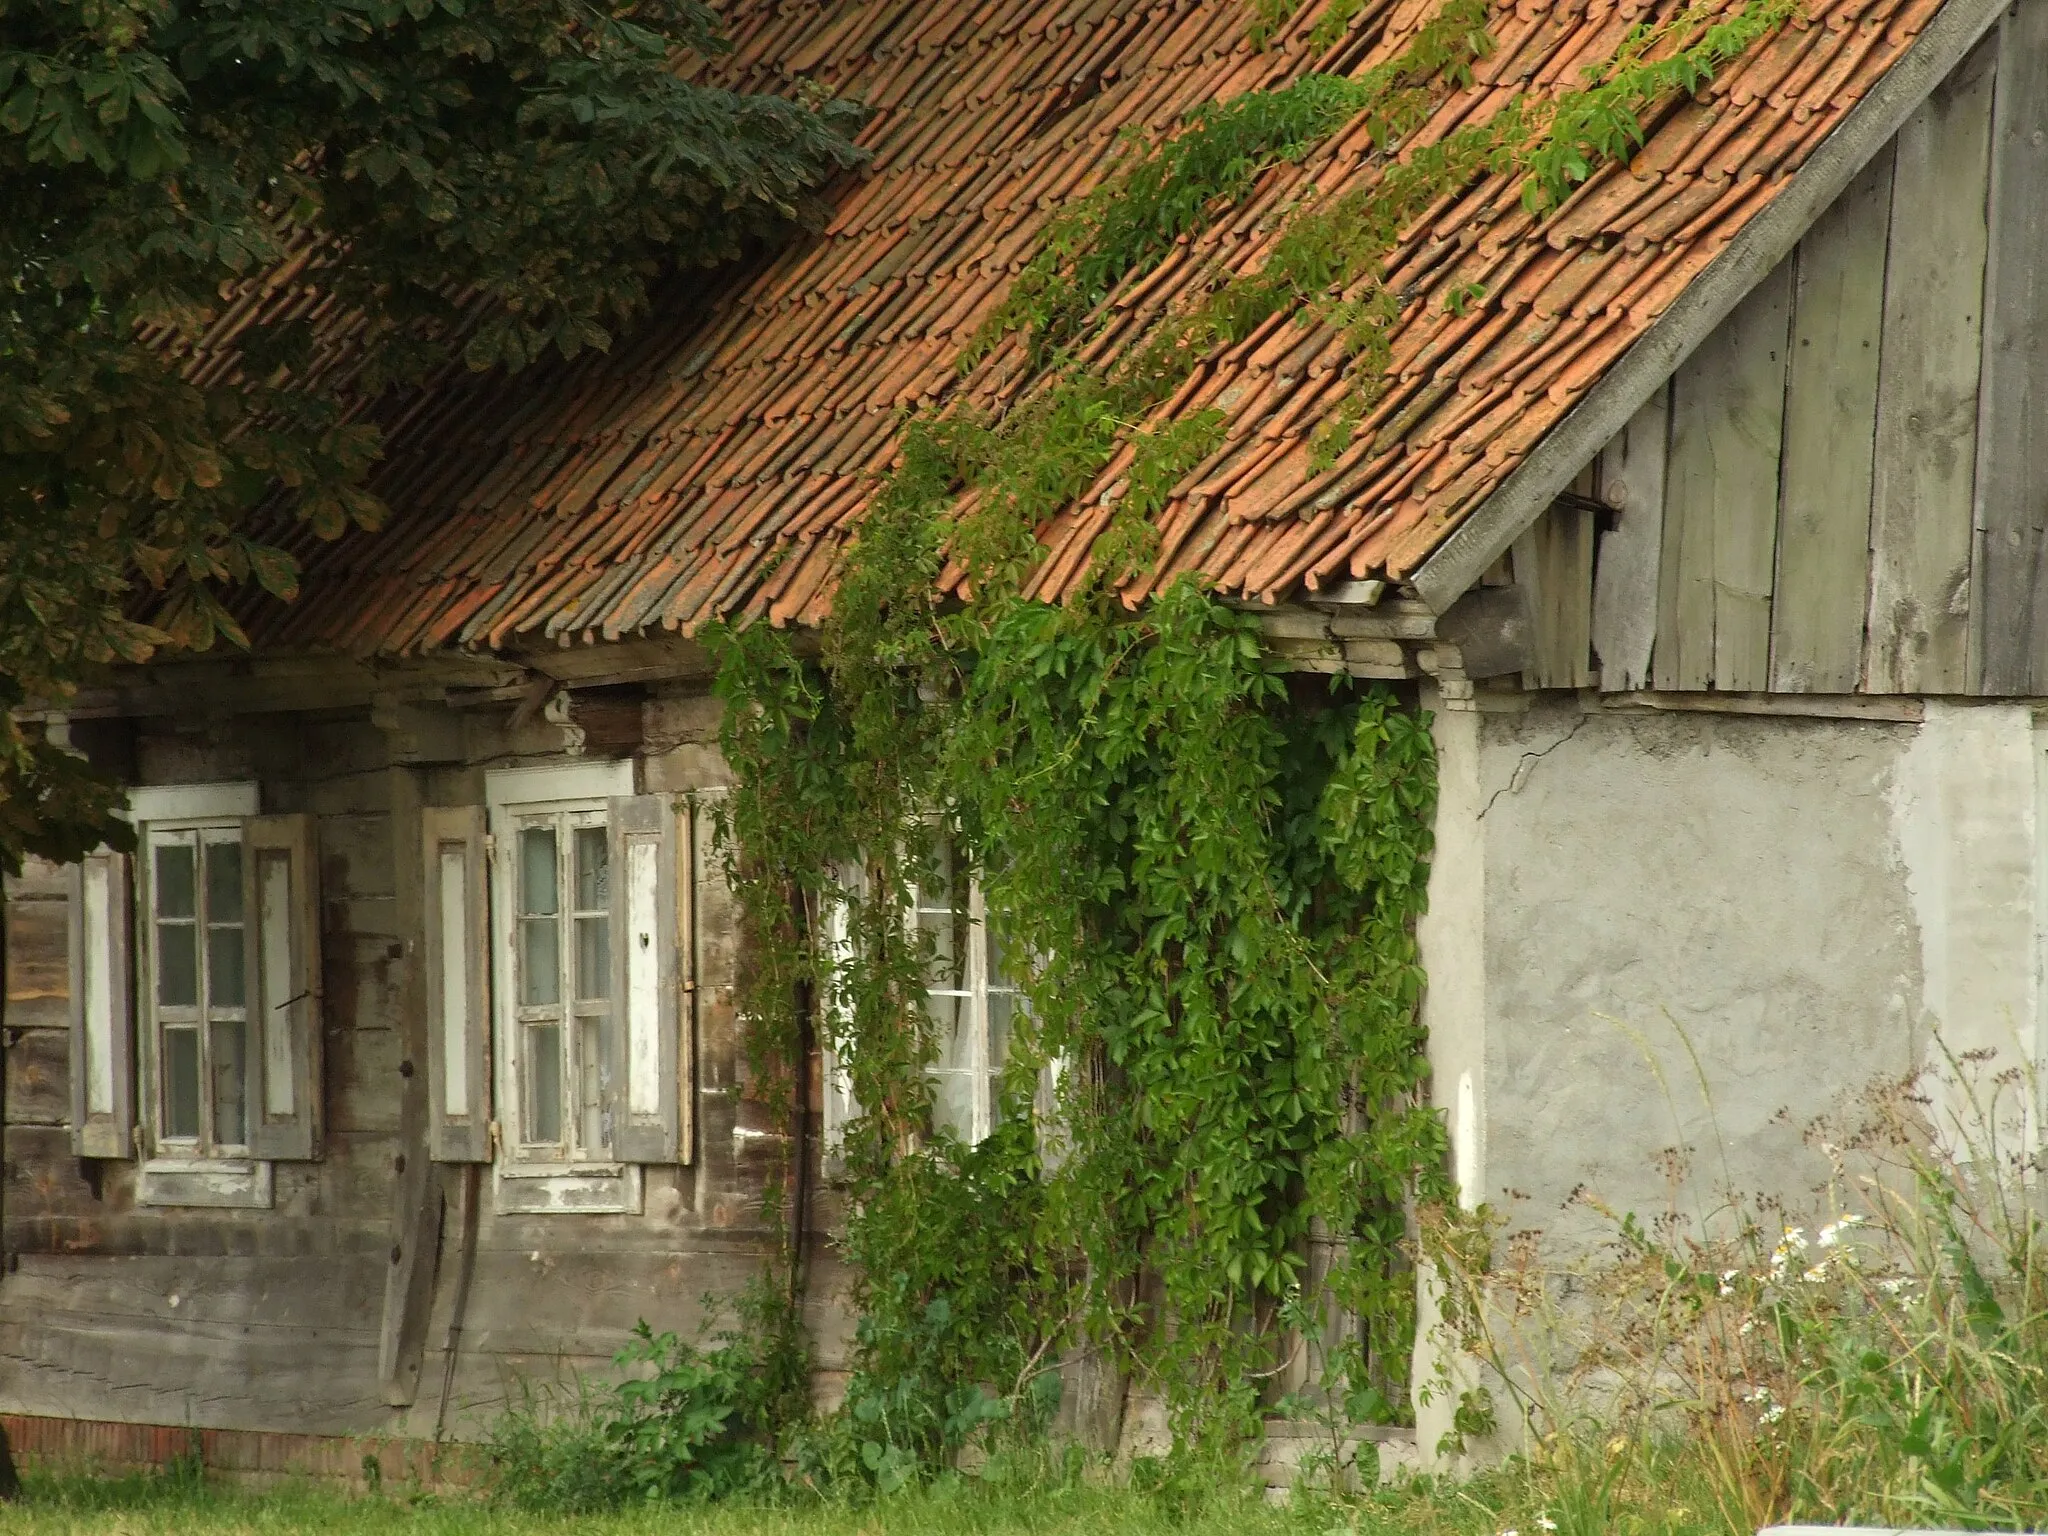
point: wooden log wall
(1845, 488)
(283, 1319)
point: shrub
(687, 1423)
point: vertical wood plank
(1554, 562)
(1746, 445)
(2010, 590)
(1529, 558)
(1625, 579)
(1721, 497)
(1923, 482)
(1684, 653)
(1830, 430)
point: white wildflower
(1831, 1234)
(1546, 1522)
(1815, 1275)
(1772, 1414)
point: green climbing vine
(1205, 873)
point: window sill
(555, 1188)
(232, 1183)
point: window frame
(532, 1176)
(190, 1170)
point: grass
(75, 1504)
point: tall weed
(1886, 1364)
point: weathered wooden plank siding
(294, 1317)
(2010, 605)
(1631, 481)
(1855, 492)
(1922, 487)
(1554, 561)
(1721, 498)
(1830, 436)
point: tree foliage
(488, 179)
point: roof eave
(1749, 257)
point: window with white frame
(198, 1009)
(196, 1027)
(585, 937)
(972, 998)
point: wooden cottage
(400, 1060)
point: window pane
(543, 1083)
(953, 1103)
(181, 1082)
(224, 965)
(593, 869)
(540, 961)
(177, 965)
(952, 1016)
(223, 882)
(174, 880)
(1002, 1008)
(230, 1075)
(593, 958)
(537, 872)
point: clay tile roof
(715, 462)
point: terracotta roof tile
(716, 460)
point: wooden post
(417, 1204)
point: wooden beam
(1819, 706)
(416, 1199)
(1749, 257)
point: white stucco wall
(1655, 931)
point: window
(198, 1010)
(586, 987)
(972, 998)
(225, 996)
(562, 965)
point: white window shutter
(280, 881)
(457, 974)
(102, 1004)
(647, 944)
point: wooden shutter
(102, 1008)
(281, 897)
(457, 973)
(646, 980)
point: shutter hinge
(494, 1140)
